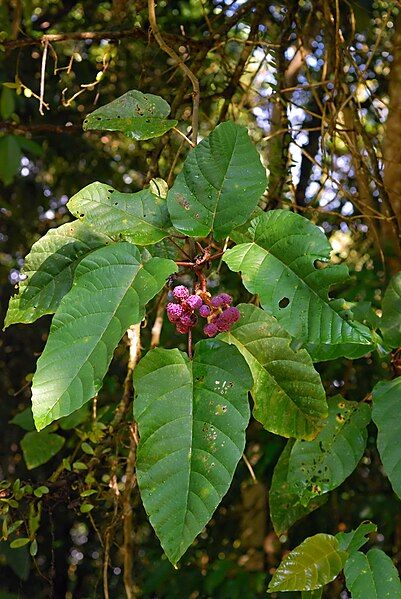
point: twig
(185, 69)
(190, 344)
(191, 143)
(158, 323)
(249, 466)
(42, 78)
(134, 345)
(127, 513)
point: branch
(184, 68)
(41, 128)
(97, 36)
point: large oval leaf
(372, 576)
(220, 184)
(49, 269)
(386, 408)
(314, 563)
(316, 467)
(192, 416)
(137, 115)
(141, 216)
(110, 290)
(284, 504)
(279, 263)
(391, 320)
(288, 395)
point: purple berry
(174, 311)
(230, 315)
(194, 301)
(217, 301)
(222, 324)
(227, 299)
(187, 320)
(180, 292)
(204, 311)
(210, 329)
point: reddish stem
(190, 344)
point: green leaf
(19, 543)
(391, 309)
(311, 565)
(140, 217)
(288, 395)
(10, 158)
(386, 407)
(220, 184)
(354, 540)
(137, 115)
(372, 576)
(285, 507)
(192, 416)
(7, 102)
(24, 419)
(279, 264)
(316, 467)
(110, 290)
(39, 448)
(49, 269)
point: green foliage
(372, 576)
(279, 263)
(391, 319)
(223, 171)
(386, 406)
(284, 503)
(289, 398)
(319, 466)
(137, 115)
(192, 417)
(110, 290)
(354, 540)
(39, 448)
(141, 218)
(311, 565)
(49, 269)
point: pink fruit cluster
(218, 311)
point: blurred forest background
(318, 84)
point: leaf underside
(192, 416)
(137, 115)
(279, 264)
(49, 269)
(319, 466)
(110, 290)
(141, 218)
(314, 563)
(220, 184)
(289, 398)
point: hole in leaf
(319, 264)
(110, 190)
(283, 303)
